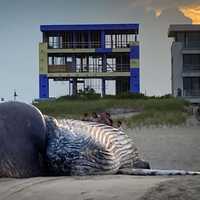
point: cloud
(164, 4)
(190, 8)
(192, 12)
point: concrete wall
(177, 67)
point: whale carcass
(84, 148)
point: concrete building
(76, 53)
(185, 60)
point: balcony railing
(95, 44)
(88, 68)
(59, 69)
(191, 68)
(194, 93)
(192, 45)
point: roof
(174, 28)
(89, 27)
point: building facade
(185, 52)
(76, 53)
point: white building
(185, 61)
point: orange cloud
(158, 12)
(192, 12)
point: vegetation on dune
(155, 118)
(164, 110)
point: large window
(191, 86)
(59, 60)
(191, 62)
(193, 40)
(119, 40)
(55, 42)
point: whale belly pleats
(84, 148)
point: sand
(186, 188)
(165, 148)
(169, 148)
(73, 188)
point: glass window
(193, 39)
(55, 42)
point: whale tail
(156, 172)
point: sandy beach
(169, 148)
(164, 148)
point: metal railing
(94, 44)
(87, 68)
(59, 69)
(194, 93)
(192, 45)
(191, 68)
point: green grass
(149, 118)
(169, 111)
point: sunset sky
(20, 21)
(189, 8)
(193, 12)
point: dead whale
(22, 140)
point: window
(119, 40)
(191, 86)
(191, 62)
(55, 42)
(193, 39)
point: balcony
(71, 45)
(191, 68)
(85, 45)
(192, 45)
(191, 93)
(59, 69)
(88, 68)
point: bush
(126, 96)
(81, 95)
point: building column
(43, 86)
(102, 39)
(74, 87)
(73, 64)
(43, 71)
(134, 69)
(89, 40)
(103, 87)
(74, 40)
(104, 63)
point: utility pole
(15, 95)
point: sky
(20, 34)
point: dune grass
(156, 118)
(168, 111)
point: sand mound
(185, 188)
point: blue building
(76, 53)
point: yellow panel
(134, 63)
(121, 50)
(43, 58)
(75, 50)
(88, 75)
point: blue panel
(135, 52)
(43, 86)
(92, 27)
(135, 80)
(103, 50)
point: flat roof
(88, 27)
(174, 28)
